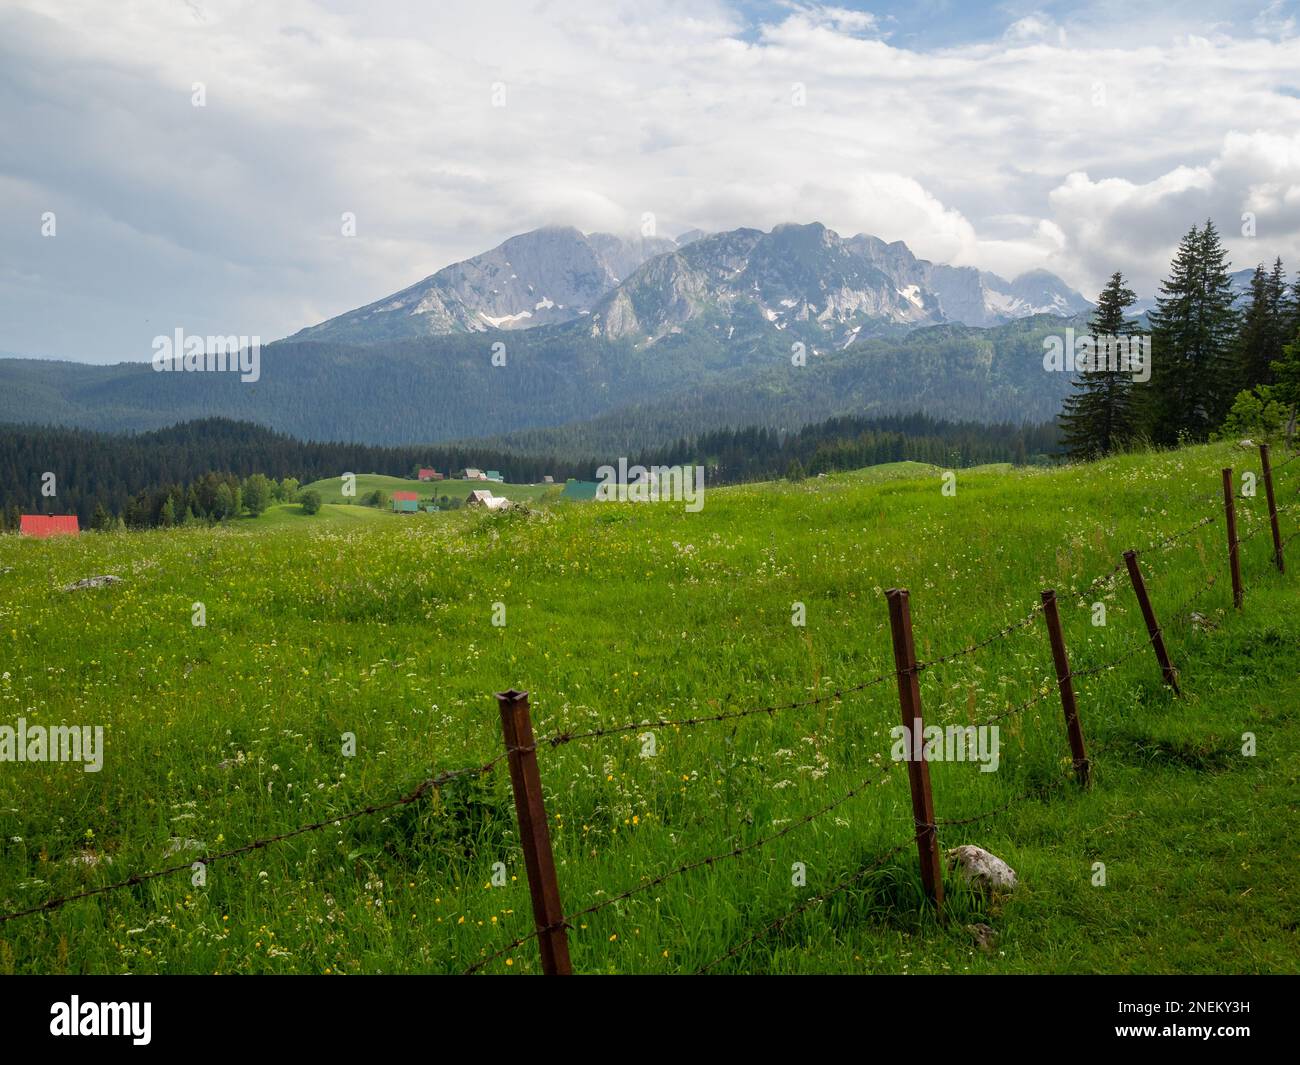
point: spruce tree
(1291, 312)
(1253, 340)
(1265, 327)
(1287, 375)
(1192, 342)
(1099, 417)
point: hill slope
(618, 614)
(712, 373)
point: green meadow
(331, 488)
(379, 628)
(330, 515)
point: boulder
(981, 869)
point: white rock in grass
(93, 582)
(982, 869)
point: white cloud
(1008, 153)
(1035, 27)
(1118, 224)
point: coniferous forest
(1219, 365)
(209, 470)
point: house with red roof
(42, 526)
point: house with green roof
(580, 491)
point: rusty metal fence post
(1266, 461)
(534, 834)
(1149, 615)
(1234, 547)
(918, 770)
(1065, 682)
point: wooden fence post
(1149, 615)
(1267, 463)
(1065, 682)
(918, 769)
(1234, 548)
(534, 835)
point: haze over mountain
(644, 288)
(594, 394)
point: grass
(621, 612)
(331, 488)
(330, 515)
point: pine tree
(1264, 328)
(1099, 418)
(1291, 311)
(1287, 388)
(1192, 342)
(1283, 312)
(1253, 340)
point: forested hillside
(133, 476)
(100, 469)
(459, 387)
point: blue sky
(923, 25)
(1076, 138)
(933, 24)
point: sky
(189, 164)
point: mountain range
(827, 288)
(608, 344)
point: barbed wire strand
(139, 878)
(1036, 792)
(808, 904)
(849, 881)
(709, 860)
(1110, 575)
(561, 738)
(1286, 462)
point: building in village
(42, 526)
(482, 497)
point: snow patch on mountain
(802, 277)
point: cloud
(1116, 224)
(1035, 27)
(1068, 142)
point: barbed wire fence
(551, 924)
